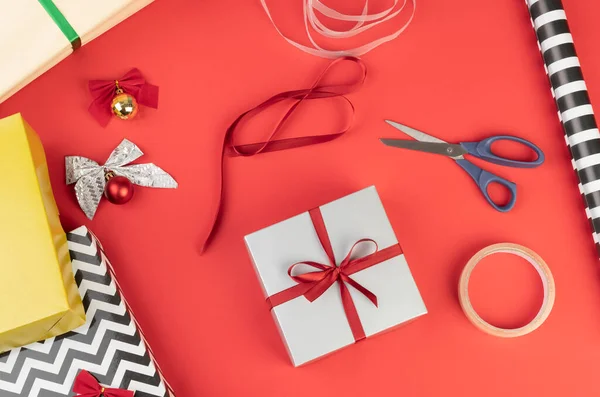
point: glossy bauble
(118, 190)
(124, 106)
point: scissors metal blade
(415, 134)
(454, 151)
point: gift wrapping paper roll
(570, 93)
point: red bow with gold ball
(121, 97)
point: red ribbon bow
(132, 83)
(314, 284)
(87, 386)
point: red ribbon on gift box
(314, 284)
(87, 386)
(132, 83)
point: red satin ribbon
(132, 83)
(314, 284)
(87, 386)
(317, 91)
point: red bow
(314, 284)
(87, 386)
(132, 83)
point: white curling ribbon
(362, 24)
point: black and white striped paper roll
(570, 93)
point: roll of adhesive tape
(531, 257)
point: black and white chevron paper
(110, 344)
(570, 93)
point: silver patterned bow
(89, 176)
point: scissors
(482, 149)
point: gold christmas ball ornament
(123, 105)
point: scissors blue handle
(483, 150)
(483, 180)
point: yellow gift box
(39, 298)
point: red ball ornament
(118, 190)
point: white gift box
(313, 329)
(31, 42)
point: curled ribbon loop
(87, 386)
(312, 285)
(316, 91)
(132, 83)
(364, 21)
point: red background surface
(463, 70)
